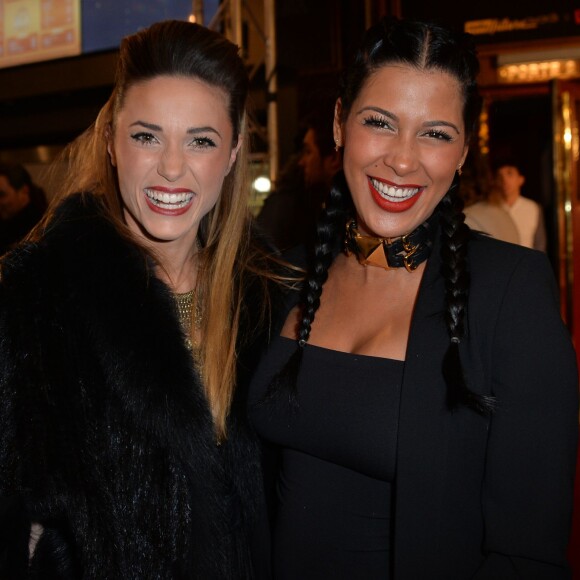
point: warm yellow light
(539, 71)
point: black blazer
(479, 498)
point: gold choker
(406, 251)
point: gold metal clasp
(410, 250)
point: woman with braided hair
(422, 393)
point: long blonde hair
(228, 254)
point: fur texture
(105, 436)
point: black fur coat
(105, 436)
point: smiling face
(172, 147)
(404, 138)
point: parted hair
(425, 46)
(228, 253)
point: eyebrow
(394, 117)
(190, 131)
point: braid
(455, 236)
(330, 236)
(329, 242)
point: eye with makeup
(203, 143)
(377, 122)
(438, 134)
(144, 138)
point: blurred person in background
(526, 213)
(22, 204)
(484, 207)
(289, 213)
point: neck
(510, 199)
(408, 251)
(178, 267)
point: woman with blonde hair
(127, 332)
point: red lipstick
(394, 206)
(165, 209)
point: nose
(402, 155)
(171, 163)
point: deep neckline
(342, 353)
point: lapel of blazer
(422, 427)
(440, 454)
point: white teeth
(168, 200)
(394, 194)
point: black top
(338, 452)
(479, 497)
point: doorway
(537, 126)
(520, 132)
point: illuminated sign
(530, 72)
(495, 25)
(33, 30)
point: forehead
(508, 170)
(175, 96)
(426, 91)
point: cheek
(442, 165)
(219, 168)
(363, 151)
(131, 167)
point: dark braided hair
(454, 237)
(330, 234)
(424, 46)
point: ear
(234, 154)
(110, 145)
(337, 125)
(464, 155)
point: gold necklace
(189, 306)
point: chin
(386, 228)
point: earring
(459, 169)
(336, 146)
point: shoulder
(529, 202)
(526, 205)
(475, 208)
(297, 256)
(78, 251)
(498, 258)
(498, 268)
(493, 220)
